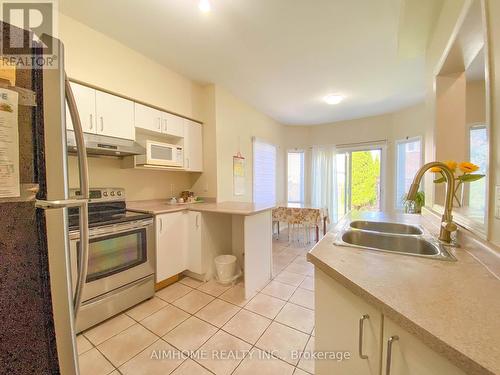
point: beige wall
(443, 31)
(408, 122)
(97, 59)
(450, 133)
(476, 103)
(494, 34)
(437, 44)
(94, 58)
(236, 124)
(205, 184)
(139, 184)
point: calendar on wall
(238, 174)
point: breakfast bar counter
(238, 228)
(452, 307)
(160, 206)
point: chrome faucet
(447, 224)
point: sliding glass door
(358, 179)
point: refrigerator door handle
(63, 203)
(84, 189)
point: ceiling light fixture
(204, 6)
(333, 99)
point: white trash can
(226, 269)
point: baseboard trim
(166, 282)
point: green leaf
(439, 180)
(470, 177)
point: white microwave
(163, 154)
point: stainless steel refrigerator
(38, 303)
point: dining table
(301, 213)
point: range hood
(102, 145)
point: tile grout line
(218, 297)
(172, 345)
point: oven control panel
(101, 194)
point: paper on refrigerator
(9, 144)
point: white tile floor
(206, 320)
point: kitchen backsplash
(139, 184)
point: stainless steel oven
(120, 268)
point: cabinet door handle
(165, 125)
(91, 125)
(159, 123)
(197, 221)
(187, 162)
(389, 354)
(161, 225)
(360, 338)
(102, 124)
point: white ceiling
(280, 56)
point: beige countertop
(453, 307)
(156, 207)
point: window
(408, 161)
(264, 172)
(296, 176)
(359, 176)
(342, 169)
(478, 150)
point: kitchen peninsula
(190, 236)
(443, 314)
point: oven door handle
(85, 192)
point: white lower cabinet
(409, 356)
(170, 244)
(345, 322)
(179, 244)
(196, 261)
(340, 315)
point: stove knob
(112, 193)
(105, 194)
(119, 193)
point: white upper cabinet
(193, 146)
(85, 102)
(115, 116)
(148, 118)
(102, 113)
(157, 121)
(172, 125)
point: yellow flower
(468, 167)
(451, 164)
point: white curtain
(324, 180)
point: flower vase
(459, 196)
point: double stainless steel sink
(405, 239)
